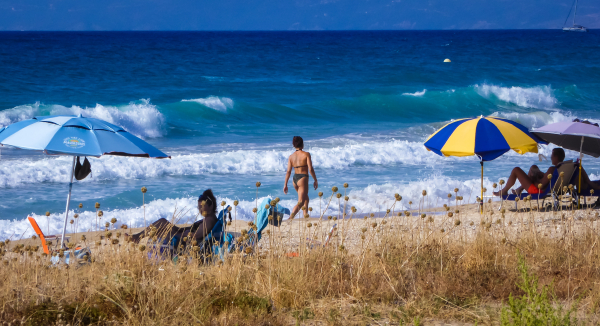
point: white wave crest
(374, 198)
(140, 118)
(418, 94)
(221, 104)
(538, 119)
(538, 97)
(56, 169)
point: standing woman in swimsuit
(302, 164)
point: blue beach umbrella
(77, 136)
(486, 137)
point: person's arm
(312, 170)
(545, 181)
(201, 228)
(287, 176)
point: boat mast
(575, 14)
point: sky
(80, 15)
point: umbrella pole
(62, 241)
(580, 167)
(481, 198)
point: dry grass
(395, 269)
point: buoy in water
(447, 60)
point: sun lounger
(554, 189)
(262, 221)
(44, 238)
(81, 255)
(168, 246)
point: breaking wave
(221, 104)
(56, 169)
(140, 118)
(538, 97)
(421, 93)
(372, 199)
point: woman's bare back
(299, 161)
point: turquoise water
(226, 105)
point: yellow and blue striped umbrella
(488, 138)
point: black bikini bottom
(297, 178)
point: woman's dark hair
(559, 153)
(208, 196)
(298, 142)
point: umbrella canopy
(77, 136)
(72, 135)
(579, 136)
(488, 138)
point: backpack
(82, 170)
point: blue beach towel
(262, 218)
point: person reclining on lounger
(530, 183)
(207, 205)
(536, 176)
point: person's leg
(586, 183)
(301, 187)
(516, 174)
(162, 225)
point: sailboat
(574, 28)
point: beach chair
(554, 189)
(262, 221)
(79, 255)
(584, 192)
(44, 238)
(212, 247)
(168, 247)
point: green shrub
(535, 307)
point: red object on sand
(39, 232)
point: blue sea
(225, 106)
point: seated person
(536, 175)
(527, 182)
(207, 205)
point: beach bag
(82, 170)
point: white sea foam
(140, 118)
(374, 198)
(221, 104)
(538, 119)
(56, 169)
(538, 97)
(418, 94)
